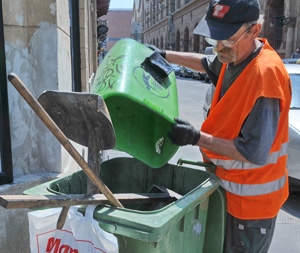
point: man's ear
(255, 30)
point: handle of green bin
(211, 167)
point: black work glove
(162, 52)
(183, 133)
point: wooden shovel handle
(62, 217)
(39, 110)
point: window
(75, 46)
(6, 174)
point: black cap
(225, 17)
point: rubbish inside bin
(156, 205)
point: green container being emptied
(142, 109)
(195, 223)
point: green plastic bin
(141, 109)
(194, 223)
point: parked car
(198, 75)
(176, 68)
(185, 72)
(294, 128)
(208, 98)
(294, 125)
(206, 78)
(209, 52)
(290, 60)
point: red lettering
(53, 246)
(53, 243)
(73, 250)
(64, 249)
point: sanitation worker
(246, 132)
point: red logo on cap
(220, 10)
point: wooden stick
(39, 110)
(43, 201)
(62, 217)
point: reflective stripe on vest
(234, 164)
(253, 189)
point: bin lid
(142, 109)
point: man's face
(233, 49)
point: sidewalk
(287, 231)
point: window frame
(6, 172)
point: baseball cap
(225, 17)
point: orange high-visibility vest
(253, 191)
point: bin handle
(209, 166)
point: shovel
(90, 140)
(83, 118)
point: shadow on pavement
(292, 205)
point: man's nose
(219, 45)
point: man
(296, 54)
(246, 132)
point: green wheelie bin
(194, 223)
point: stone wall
(38, 50)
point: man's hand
(162, 52)
(183, 133)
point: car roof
(290, 60)
(293, 68)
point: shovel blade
(82, 117)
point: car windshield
(295, 78)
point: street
(191, 94)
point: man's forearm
(187, 59)
(220, 146)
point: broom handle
(39, 110)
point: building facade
(50, 45)
(170, 24)
(118, 22)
